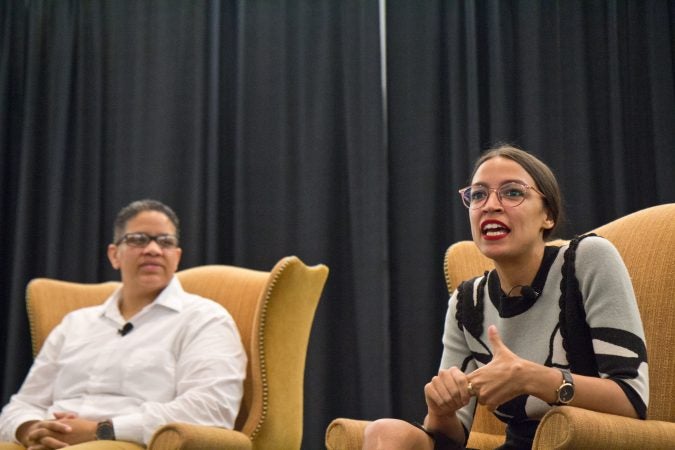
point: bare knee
(395, 434)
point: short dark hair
(134, 208)
(543, 177)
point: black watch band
(105, 431)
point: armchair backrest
(274, 312)
(646, 242)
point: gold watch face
(566, 393)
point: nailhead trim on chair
(445, 271)
(33, 333)
(261, 349)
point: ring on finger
(470, 389)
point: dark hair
(543, 177)
(134, 208)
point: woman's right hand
(40, 434)
(447, 392)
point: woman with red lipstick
(549, 325)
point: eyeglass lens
(509, 194)
(142, 239)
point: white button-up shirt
(183, 361)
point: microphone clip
(126, 329)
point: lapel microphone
(126, 329)
(527, 292)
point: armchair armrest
(185, 436)
(567, 427)
(345, 434)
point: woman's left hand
(502, 378)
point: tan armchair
(646, 241)
(274, 312)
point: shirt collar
(170, 297)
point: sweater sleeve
(456, 353)
(614, 319)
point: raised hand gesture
(503, 378)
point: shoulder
(467, 289)
(473, 282)
(598, 262)
(202, 305)
(175, 297)
(596, 249)
(73, 323)
(83, 314)
(205, 317)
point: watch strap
(105, 431)
(567, 376)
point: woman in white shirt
(149, 355)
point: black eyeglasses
(511, 194)
(141, 240)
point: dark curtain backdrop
(318, 129)
(588, 86)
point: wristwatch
(565, 392)
(105, 431)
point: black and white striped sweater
(530, 326)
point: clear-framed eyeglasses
(140, 240)
(511, 194)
